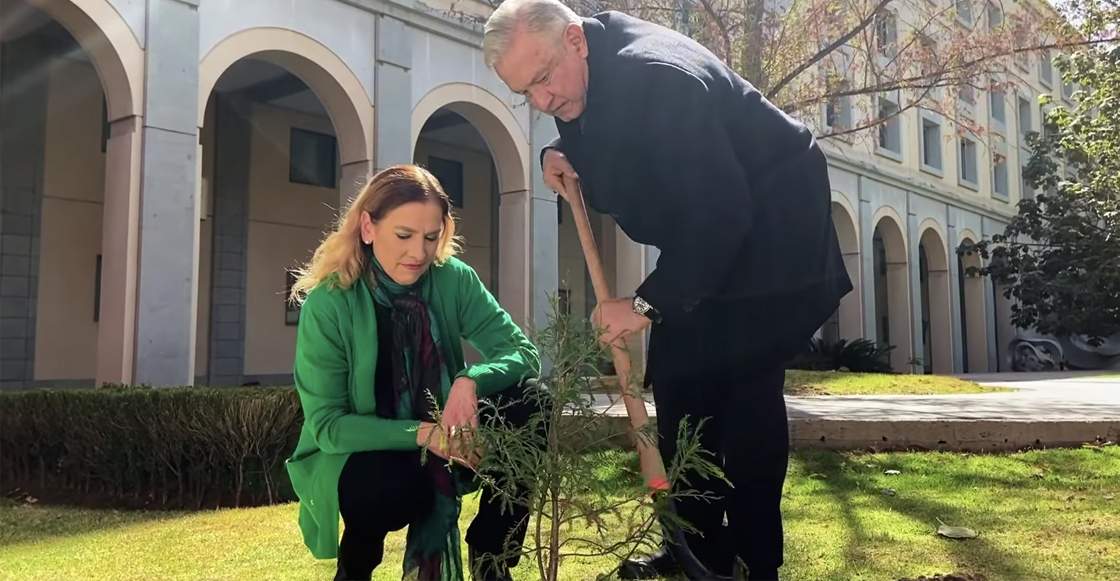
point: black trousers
(383, 491)
(720, 367)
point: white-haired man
(689, 157)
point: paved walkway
(1070, 397)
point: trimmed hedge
(173, 448)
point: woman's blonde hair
(340, 253)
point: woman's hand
(453, 447)
(460, 415)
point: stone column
(232, 143)
(167, 290)
(116, 327)
(952, 231)
(867, 263)
(913, 238)
(987, 228)
(528, 236)
(23, 117)
(393, 99)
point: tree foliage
(1059, 257)
(579, 510)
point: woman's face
(406, 239)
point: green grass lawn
(1041, 515)
(846, 383)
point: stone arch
(103, 350)
(936, 298)
(848, 319)
(890, 268)
(112, 46)
(972, 317)
(491, 118)
(333, 82)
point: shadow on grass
(842, 487)
(24, 523)
(846, 484)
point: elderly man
(690, 158)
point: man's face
(551, 73)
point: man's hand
(554, 167)
(618, 319)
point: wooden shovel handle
(651, 465)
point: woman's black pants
(382, 491)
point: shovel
(653, 470)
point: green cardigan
(335, 365)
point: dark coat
(690, 158)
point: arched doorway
(69, 83)
(974, 333)
(468, 139)
(937, 336)
(892, 290)
(846, 322)
(458, 155)
(284, 145)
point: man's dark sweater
(690, 158)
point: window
(931, 144)
(1028, 191)
(838, 110)
(1045, 67)
(968, 94)
(291, 308)
(450, 175)
(968, 161)
(997, 105)
(97, 290)
(995, 17)
(928, 64)
(890, 138)
(1025, 126)
(886, 33)
(1001, 188)
(964, 11)
(312, 159)
(1048, 127)
(1067, 90)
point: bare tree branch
(824, 52)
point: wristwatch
(645, 309)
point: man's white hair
(548, 17)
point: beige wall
(70, 239)
(573, 266)
(286, 222)
(475, 218)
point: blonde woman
(385, 305)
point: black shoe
(663, 564)
(485, 567)
(342, 575)
(763, 575)
(658, 565)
